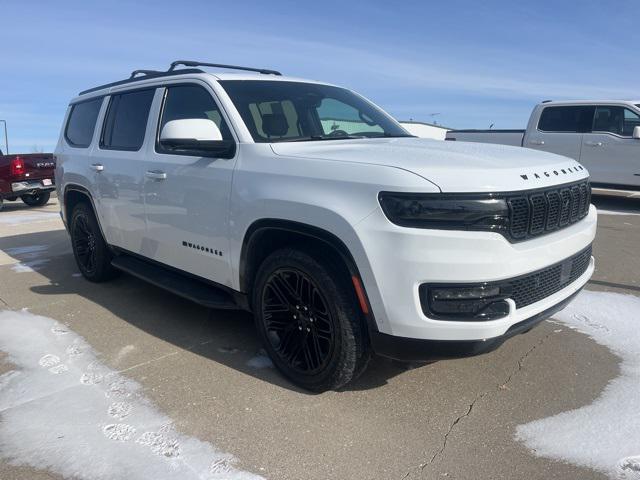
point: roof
(588, 102)
(151, 77)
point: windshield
(275, 111)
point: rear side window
(82, 123)
(126, 121)
(566, 119)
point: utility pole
(6, 137)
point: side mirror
(636, 133)
(197, 135)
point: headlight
(446, 211)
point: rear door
(560, 129)
(609, 152)
(186, 194)
(118, 164)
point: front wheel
(90, 250)
(308, 320)
(36, 199)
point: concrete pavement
(450, 419)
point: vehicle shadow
(618, 205)
(226, 337)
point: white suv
(308, 205)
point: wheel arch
(267, 235)
(74, 194)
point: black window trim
(158, 149)
(101, 144)
(66, 127)
(603, 132)
(561, 106)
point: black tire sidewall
(103, 271)
(38, 200)
(349, 346)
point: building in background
(425, 130)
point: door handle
(98, 167)
(156, 174)
(594, 144)
(536, 142)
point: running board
(182, 285)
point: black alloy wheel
(298, 322)
(90, 250)
(309, 320)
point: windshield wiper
(317, 138)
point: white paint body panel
(333, 186)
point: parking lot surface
(201, 375)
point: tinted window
(617, 120)
(82, 123)
(190, 101)
(126, 120)
(276, 111)
(566, 119)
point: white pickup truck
(604, 136)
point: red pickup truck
(28, 177)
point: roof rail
(547, 101)
(146, 75)
(190, 63)
(144, 72)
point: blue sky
(473, 63)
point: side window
(126, 121)
(631, 121)
(336, 115)
(615, 119)
(566, 119)
(82, 123)
(191, 101)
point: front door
(187, 195)
(609, 152)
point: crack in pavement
(502, 386)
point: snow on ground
(63, 410)
(30, 258)
(261, 360)
(34, 217)
(605, 435)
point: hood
(452, 166)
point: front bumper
(400, 260)
(416, 350)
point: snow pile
(605, 435)
(63, 410)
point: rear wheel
(90, 250)
(37, 199)
(309, 322)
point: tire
(309, 320)
(1, 203)
(36, 199)
(90, 250)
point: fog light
(465, 303)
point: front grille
(542, 211)
(536, 286)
